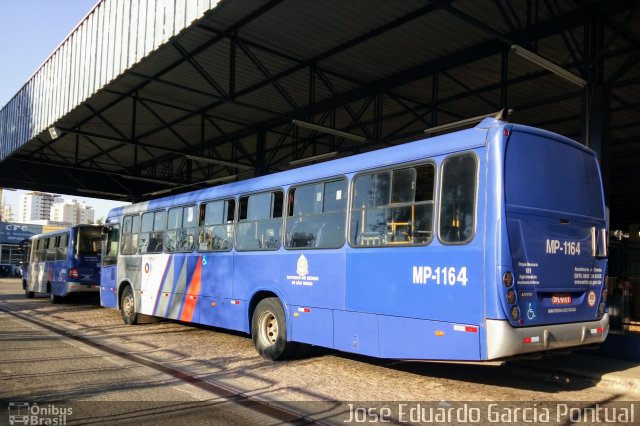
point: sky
(30, 30)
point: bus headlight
(507, 279)
(605, 293)
(511, 296)
(601, 308)
(515, 313)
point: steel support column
(596, 103)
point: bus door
(88, 255)
(109, 266)
(556, 231)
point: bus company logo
(591, 299)
(23, 413)
(302, 268)
(147, 267)
(302, 271)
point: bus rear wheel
(269, 330)
(52, 297)
(128, 306)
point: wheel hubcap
(268, 328)
(127, 306)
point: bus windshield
(89, 241)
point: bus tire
(269, 330)
(52, 297)
(29, 294)
(128, 306)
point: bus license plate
(561, 299)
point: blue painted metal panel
(109, 287)
(210, 310)
(233, 314)
(217, 274)
(420, 339)
(312, 325)
(356, 332)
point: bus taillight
(73, 273)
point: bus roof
(424, 148)
(60, 231)
(451, 142)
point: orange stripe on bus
(192, 295)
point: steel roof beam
(454, 60)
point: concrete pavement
(612, 373)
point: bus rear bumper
(503, 340)
(71, 287)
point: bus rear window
(545, 174)
(89, 240)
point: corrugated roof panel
(97, 51)
(303, 26)
(408, 46)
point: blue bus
(64, 262)
(482, 244)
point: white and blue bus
(477, 245)
(64, 262)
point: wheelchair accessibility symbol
(531, 311)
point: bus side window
(111, 252)
(42, 254)
(316, 215)
(174, 229)
(35, 250)
(152, 232)
(188, 237)
(130, 231)
(216, 225)
(51, 249)
(61, 246)
(180, 233)
(393, 207)
(458, 198)
(159, 224)
(259, 224)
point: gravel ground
(229, 359)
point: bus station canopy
(145, 99)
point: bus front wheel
(128, 306)
(269, 330)
(29, 294)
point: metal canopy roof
(217, 100)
